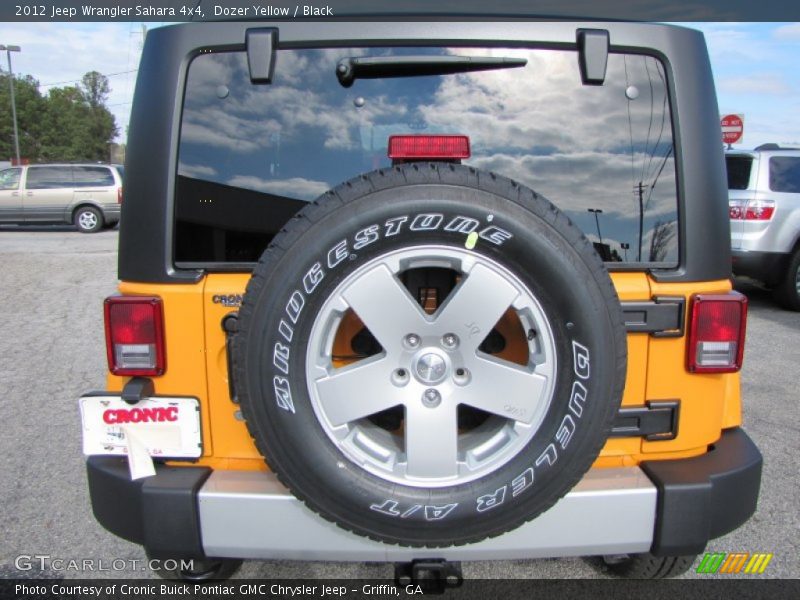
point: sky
(755, 67)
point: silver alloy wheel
(429, 365)
(87, 220)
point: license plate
(167, 427)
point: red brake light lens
(716, 333)
(119, 195)
(759, 210)
(418, 147)
(135, 335)
(752, 210)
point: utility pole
(596, 212)
(640, 188)
(9, 50)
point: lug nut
(431, 398)
(400, 377)
(449, 340)
(412, 340)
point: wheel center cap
(430, 368)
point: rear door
(784, 186)
(10, 198)
(48, 193)
(742, 178)
(94, 185)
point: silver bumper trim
(245, 514)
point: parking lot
(52, 350)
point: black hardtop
(146, 237)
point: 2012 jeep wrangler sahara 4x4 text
(401, 290)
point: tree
(663, 234)
(67, 134)
(68, 124)
(102, 125)
(30, 105)
(95, 89)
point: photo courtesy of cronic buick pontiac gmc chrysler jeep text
(393, 297)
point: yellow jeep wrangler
(393, 297)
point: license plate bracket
(168, 427)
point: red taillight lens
(418, 147)
(752, 210)
(759, 210)
(135, 335)
(119, 195)
(736, 209)
(716, 333)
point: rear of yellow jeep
(467, 298)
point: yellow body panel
(197, 366)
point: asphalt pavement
(52, 283)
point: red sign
(732, 128)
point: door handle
(15, 193)
(29, 193)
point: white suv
(764, 201)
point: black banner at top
(211, 10)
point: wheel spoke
(358, 391)
(475, 306)
(504, 389)
(384, 306)
(431, 440)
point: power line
(77, 80)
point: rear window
(92, 176)
(784, 174)
(44, 178)
(252, 155)
(739, 168)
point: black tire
(527, 236)
(87, 219)
(203, 570)
(648, 566)
(787, 292)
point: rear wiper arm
(375, 67)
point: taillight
(752, 210)
(716, 333)
(434, 147)
(759, 210)
(135, 335)
(119, 195)
(736, 209)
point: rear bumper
(667, 507)
(769, 267)
(111, 212)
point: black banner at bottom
(326, 589)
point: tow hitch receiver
(432, 576)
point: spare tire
(430, 355)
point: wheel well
(795, 246)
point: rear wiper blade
(375, 67)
